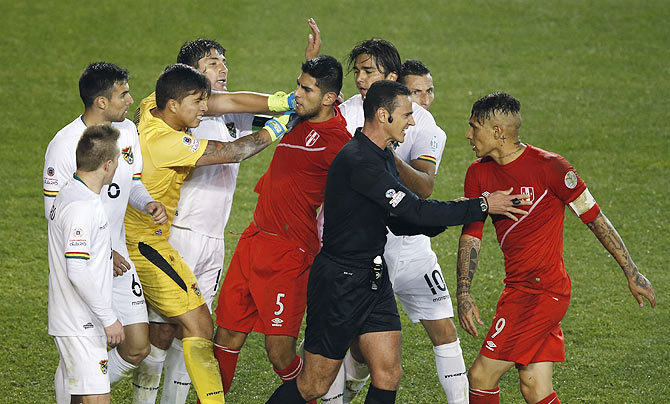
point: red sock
(291, 372)
(479, 396)
(227, 363)
(550, 399)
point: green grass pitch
(593, 79)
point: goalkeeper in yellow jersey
(179, 103)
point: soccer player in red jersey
(526, 329)
(265, 288)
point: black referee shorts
(341, 306)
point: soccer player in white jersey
(413, 267)
(81, 318)
(104, 90)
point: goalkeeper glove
(280, 102)
(281, 125)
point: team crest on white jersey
(530, 192)
(127, 153)
(231, 129)
(103, 366)
(311, 138)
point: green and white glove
(280, 102)
(281, 125)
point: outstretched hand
(468, 313)
(640, 286)
(313, 41)
(502, 203)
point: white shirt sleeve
(79, 274)
(138, 197)
(59, 166)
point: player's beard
(308, 114)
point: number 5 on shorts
(280, 304)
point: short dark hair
(97, 144)
(98, 79)
(494, 103)
(386, 55)
(192, 51)
(327, 71)
(179, 81)
(382, 94)
(412, 67)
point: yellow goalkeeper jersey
(168, 156)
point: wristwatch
(484, 204)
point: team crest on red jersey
(311, 138)
(127, 153)
(530, 192)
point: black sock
(287, 393)
(379, 396)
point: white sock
(356, 375)
(147, 377)
(118, 368)
(451, 372)
(176, 382)
(335, 394)
(62, 396)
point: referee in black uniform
(350, 299)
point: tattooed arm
(610, 239)
(233, 152)
(468, 254)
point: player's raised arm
(313, 40)
(638, 284)
(249, 102)
(468, 259)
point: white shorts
(83, 365)
(205, 256)
(128, 298)
(419, 285)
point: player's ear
(329, 98)
(393, 76)
(172, 105)
(100, 102)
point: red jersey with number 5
(532, 246)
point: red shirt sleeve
(566, 184)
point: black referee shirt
(363, 189)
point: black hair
(192, 51)
(412, 68)
(97, 144)
(179, 81)
(382, 94)
(386, 55)
(494, 103)
(327, 71)
(98, 80)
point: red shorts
(527, 328)
(265, 288)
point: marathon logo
(88, 326)
(439, 299)
(455, 375)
